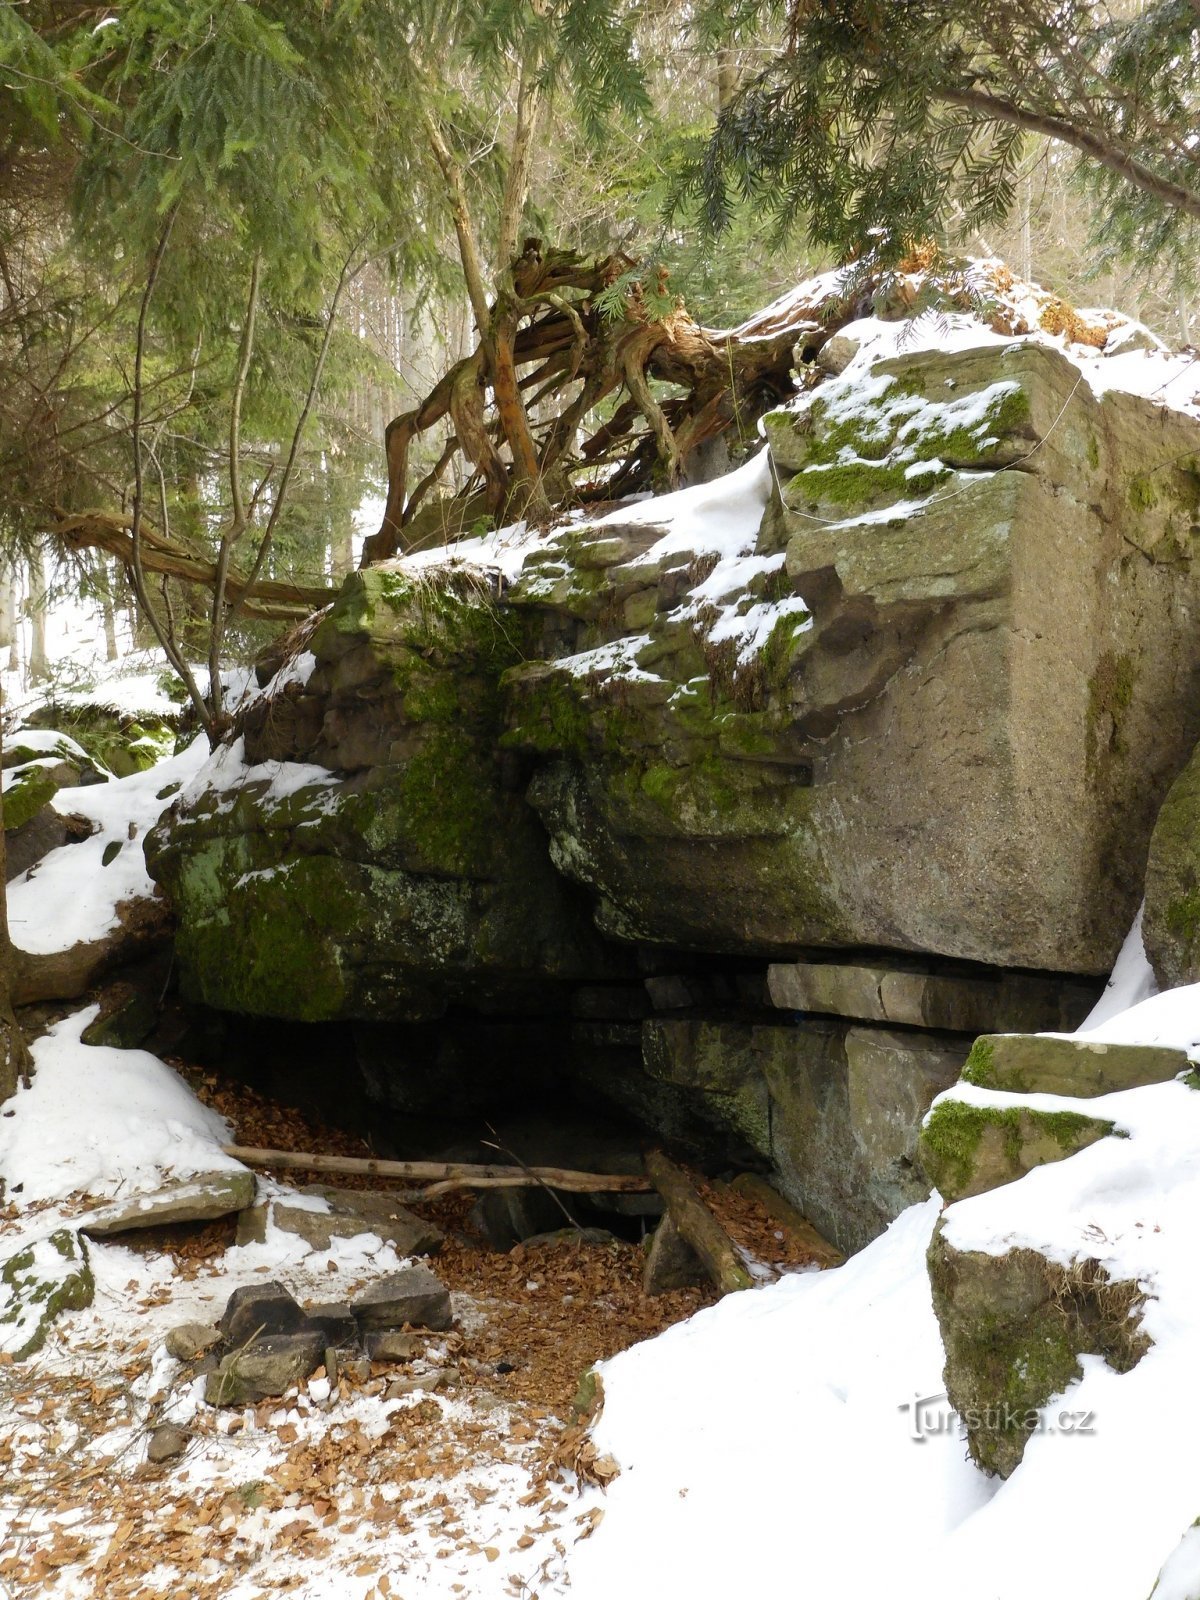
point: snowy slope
(769, 1446)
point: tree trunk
(39, 666)
(110, 615)
(14, 1053)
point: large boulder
(918, 682)
(836, 1109)
(995, 685)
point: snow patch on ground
(103, 1122)
(71, 895)
(769, 1445)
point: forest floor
(457, 1474)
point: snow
(798, 1440)
(47, 740)
(1170, 378)
(131, 687)
(226, 772)
(1131, 982)
(101, 1121)
(70, 896)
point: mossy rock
(1033, 1063)
(125, 1021)
(849, 452)
(50, 1275)
(966, 1149)
(30, 789)
(1171, 920)
(117, 743)
(1014, 1326)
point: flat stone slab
(1037, 1064)
(351, 1212)
(1010, 1002)
(377, 1211)
(414, 1296)
(199, 1199)
(266, 1368)
(966, 1149)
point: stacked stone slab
(1015, 1323)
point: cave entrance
(569, 1089)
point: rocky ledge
(902, 694)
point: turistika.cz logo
(932, 1414)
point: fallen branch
(273, 599)
(459, 1174)
(697, 1226)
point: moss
(1093, 452)
(34, 1299)
(949, 1142)
(546, 714)
(979, 1068)
(445, 803)
(25, 796)
(1014, 1326)
(1142, 495)
(1183, 916)
(1110, 694)
(588, 1398)
(660, 782)
(848, 483)
(270, 946)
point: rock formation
(888, 710)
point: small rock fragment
(424, 1382)
(190, 1340)
(264, 1369)
(389, 1344)
(166, 1442)
(413, 1295)
(335, 1321)
(671, 1263)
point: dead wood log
(458, 1174)
(697, 1225)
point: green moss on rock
(979, 1067)
(45, 1278)
(967, 1149)
(30, 789)
(1014, 1326)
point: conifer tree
(883, 121)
